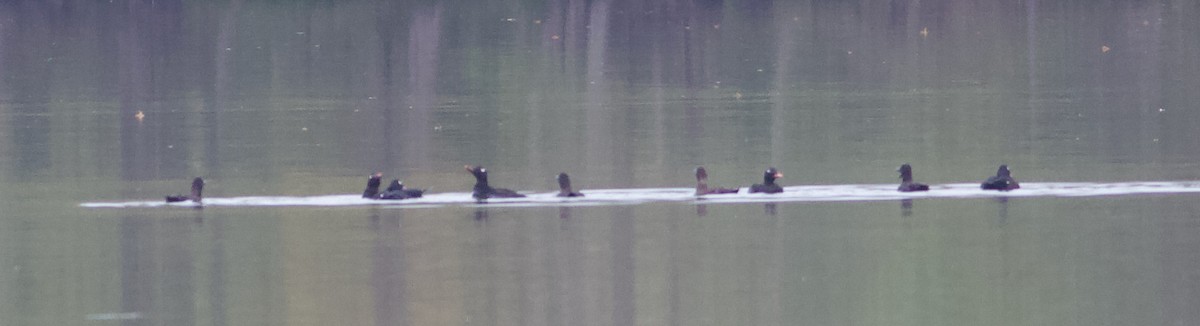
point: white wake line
(816, 193)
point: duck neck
(481, 185)
(564, 186)
(196, 192)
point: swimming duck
(197, 187)
(564, 186)
(702, 184)
(1002, 181)
(372, 191)
(906, 180)
(768, 186)
(483, 191)
(396, 190)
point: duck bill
(778, 175)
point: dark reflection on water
(300, 98)
(906, 207)
(25, 94)
(621, 264)
(624, 267)
(559, 249)
(481, 215)
(409, 87)
(1001, 210)
(217, 268)
(388, 265)
(157, 262)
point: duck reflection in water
(1002, 211)
(481, 214)
(906, 206)
(770, 209)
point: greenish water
(269, 98)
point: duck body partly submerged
(564, 186)
(768, 186)
(702, 184)
(906, 180)
(1002, 181)
(195, 196)
(373, 182)
(483, 191)
(396, 191)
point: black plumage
(564, 187)
(197, 188)
(702, 184)
(768, 186)
(483, 191)
(906, 180)
(1002, 181)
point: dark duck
(1002, 181)
(768, 186)
(197, 187)
(906, 180)
(396, 190)
(484, 191)
(702, 184)
(372, 191)
(564, 187)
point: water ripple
(817, 193)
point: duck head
(905, 172)
(1003, 171)
(701, 173)
(479, 172)
(564, 182)
(771, 174)
(197, 189)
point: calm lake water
(128, 100)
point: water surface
(280, 105)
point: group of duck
(1002, 181)
(481, 191)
